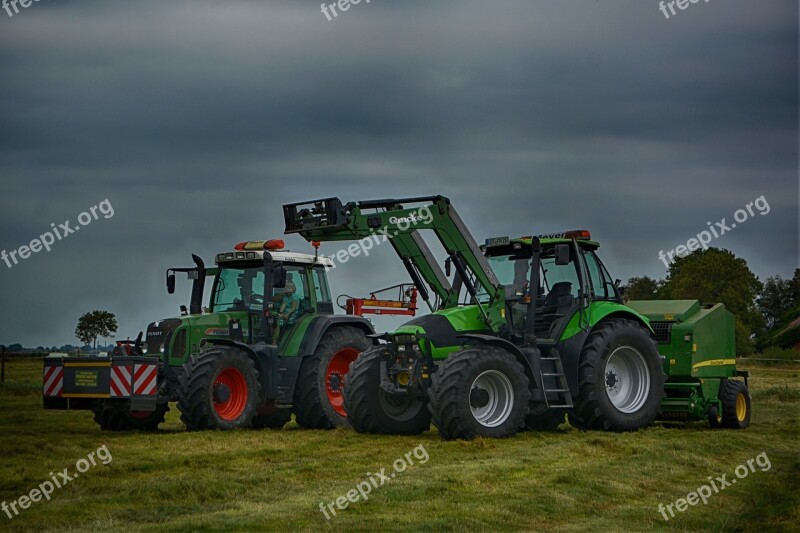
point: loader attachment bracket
(317, 214)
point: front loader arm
(330, 220)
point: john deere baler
(698, 343)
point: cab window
(239, 289)
(602, 286)
(321, 291)
(553, 274)
(296, 289)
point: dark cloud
(197, 120)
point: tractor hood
(441, 330)
(158, 333)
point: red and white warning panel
(53, 381)
(120, 386)
(76, 382)
(145, 379)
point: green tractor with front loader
(523, 332)
(267, 345)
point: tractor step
(554, 382)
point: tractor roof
(565, 237)
(545, 240)
(285, 256)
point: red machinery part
(406, 304)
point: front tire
(373, 410)
(620, 378)
(218, 390)
(479, 391)
(318, 400)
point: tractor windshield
(513, 271)
(239, 288)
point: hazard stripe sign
(53, 380)
(145, 380)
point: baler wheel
(736, 404)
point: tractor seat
(559, 298)
(556, 305)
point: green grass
(275, 480)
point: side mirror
(171, 282)
(447, 264)
(279, 278)
(562, 254)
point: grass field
(275, 479)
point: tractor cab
(570, 277)
(263, 279)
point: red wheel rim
(233, 407)
(334, 377)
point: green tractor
(522, 332)
(268, 345)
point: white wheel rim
(627, 379)
(500, 398)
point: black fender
(528, 357)
(321, 324)
(265, 357)
(570, 352)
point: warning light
(580, 234)
(273, 244)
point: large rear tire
(620, 378)
(318, 400)
(373, 410)
(114, 416)
(479, 391)
(218, 390)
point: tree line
(766, 313)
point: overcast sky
(197, 120)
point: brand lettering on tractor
(714, 362)
(410, 219)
